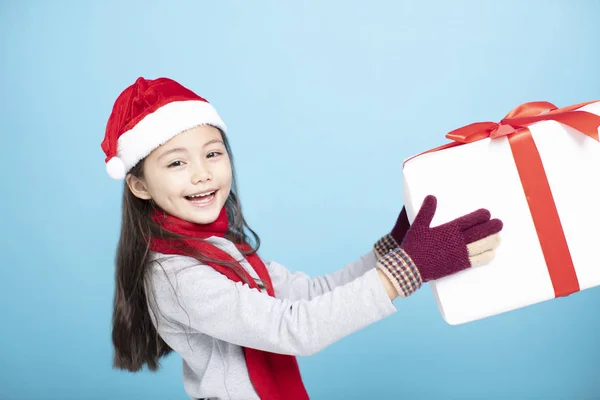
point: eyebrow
(214, 141)
(166, 153)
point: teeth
(201, 195)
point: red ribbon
(533, 177)
(526, 114)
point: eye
(213, 154)
(175, 164)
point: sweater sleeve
(201, 299)
(298, 285)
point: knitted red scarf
(274, 376)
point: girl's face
(188, 177)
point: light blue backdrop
(324, 99)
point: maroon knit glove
(442, 250)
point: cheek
(166, 185)
(226, 169)
(226, 176)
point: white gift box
(530, 265)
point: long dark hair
(135, 339)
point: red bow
(527, 114)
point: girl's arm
(298, 285)
(194, 295)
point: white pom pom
(116, 168)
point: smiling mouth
(202, 198)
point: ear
(138, 187)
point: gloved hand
(427, 253)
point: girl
(188, 276)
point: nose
(200, 173)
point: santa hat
(146, 115)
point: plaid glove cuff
(401, 271)
(384, 245)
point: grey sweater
(207, 318)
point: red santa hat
(146, 115)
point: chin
(204, 220)
(207, 216)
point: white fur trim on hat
(156, 129)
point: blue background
(324, 100)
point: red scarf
(274, 376)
